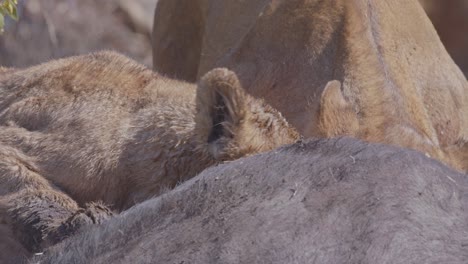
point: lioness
(399, 85)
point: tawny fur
(450, 20)
(336, 116)
(187, 46)
(396, 75)
(4, 70)
(100, 127)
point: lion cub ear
(221, 106)
(336, 115)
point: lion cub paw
(93, 213)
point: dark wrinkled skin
(324, 201)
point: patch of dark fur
(219, 117)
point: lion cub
(100, 127)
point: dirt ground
(50, 29)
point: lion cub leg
(39, 213)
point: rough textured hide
(101, 127)
(323, 201)
(396, 75)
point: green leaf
(7, 8)
(2, 23)
(11, 7)
(14, 13)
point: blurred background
(56, 28)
